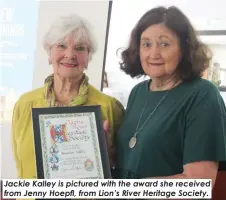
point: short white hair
(67, 25)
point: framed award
(70, 143)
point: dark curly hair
(195, 55)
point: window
(216, 40)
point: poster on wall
(17, 52)
(95, 14)
(17, 44)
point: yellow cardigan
(22, 129)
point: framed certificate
(70, 143)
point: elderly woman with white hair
(70, 46)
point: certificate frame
(41, 147)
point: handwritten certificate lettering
(70, 146)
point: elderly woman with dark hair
(175, 123)
(70, 46)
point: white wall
(96, 12)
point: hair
(67, 26)
(196, 56)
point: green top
(189, 125)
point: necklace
(133, 140)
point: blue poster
(17, 45)
(18, 21)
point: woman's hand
(111, 149)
